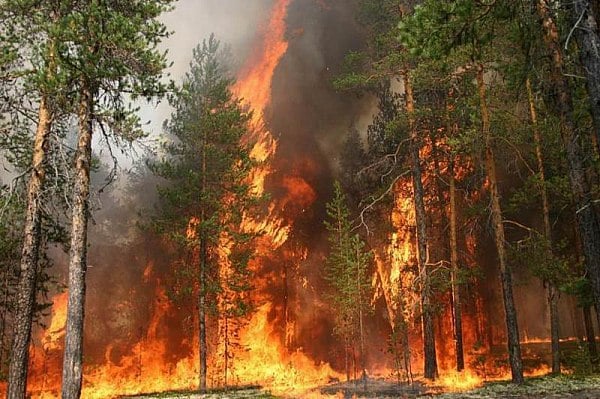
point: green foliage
(580, 287)
(533, 387)
(346, 268)
(535, 252)
(207, 193)
(579, 361)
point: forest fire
(291, 340)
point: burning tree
(207, 194)
(347, 270)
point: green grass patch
(253, 392)
(532, 387)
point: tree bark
(17, 374)
(587, 219)
(589, 333)
(551, 287)
(360, 319)
(586, 33)
(430, 367)
(512, 329)
(202, 350)
(73, 353)
(454, 276)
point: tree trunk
(17, 374)
(512, 329)
(359, 278)
(586, 33)
(552, 290)
(202, 350)
(73, 353)
(587, 220)
(454, 276)
(589, 333)
(595, 5)
(347, 360)
(226, 349)
(430, 367)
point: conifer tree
(208, 192)
(347, 271)
(462, 28)
(109, 51)
(587, 218)
(29, 38)
(384, 61)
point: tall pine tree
(208, 192)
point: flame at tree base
(268, 364)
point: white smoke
(234, 22)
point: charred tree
(512, 329)
(430, 366)
(17, 375)
(587, 219)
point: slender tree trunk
(362, 349)
(404, 338)
(226, 348)
(17, 374)
(586, 33)
(512, 329)
(589, 333)
(359, 278)
(454, 276)
(73, 353)
(587, 219)
(453, 245)
(203, 350)
(552, 290)
(347, 360)
(4, 307)
(595, 5)
(430, 367)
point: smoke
(235, 23)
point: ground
(574, 387)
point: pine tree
(347, 271)
(29, 38)
(109, 50)
(587, 218)
(585, 26)
(208, 191)
(386, 60)
(461, 28)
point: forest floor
(549, 387)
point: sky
(234, 22)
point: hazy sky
(234, 22)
